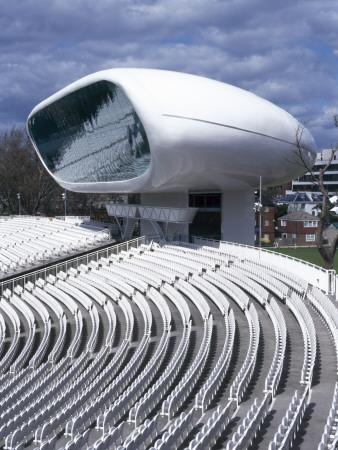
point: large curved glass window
(91, 135)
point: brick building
(268, 220)
(298, 228)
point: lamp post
(90, 206)
(19, 198)
(258, 208)
(64, 198)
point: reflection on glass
(90, 135)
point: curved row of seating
(31, 241)
(244, 375)
(108, 355)
(284, 436)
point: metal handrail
(66, 265)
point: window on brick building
(310, 223)
(310, 237)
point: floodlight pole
(64, 198)
(90, 206)
(19, 198)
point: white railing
(317, 276)
(158, 213)
(66, 265)
(184, 215)
(115, 209)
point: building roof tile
(299, 216)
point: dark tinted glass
(91, 135)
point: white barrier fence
(66, 265)
(317, 276)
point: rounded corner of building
(91, 134)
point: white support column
(238, 217)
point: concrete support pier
(238, 217)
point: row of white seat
(111, 315)
(113, 390)
(29, 242)
(147, 266)
(178, 301)
(49, 300)
(28, 413)
(108, 396)
(136, 389)
(184, 264)
(177, 431)
(195, 296)
(290, 278)
(235, 253)
(28, 347)
(2, 332)
(74, 310)
(189, 258)
(28, 388)
(212, 430)
(280, 289)
(287, 430)
(81, 390)
(265, 295)
(329, 438)
(238, 275)
(230, 288)
(142, 381)
(158, 390)
(275, 372)
(174, 401)
(309, 335)
(94, 275)
(11, 392)
(212, 384)
(218, 373)
(181, 270)
(123, 275)
(92, 279)
(129, 318)
(95, 322)
(247, 430)
(162, 305)
(6, 307)
(215, 295)
(196, 252)
(243, 377)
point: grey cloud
(286, 53)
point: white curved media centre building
(166, 135)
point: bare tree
(21, 172)
(318, 179)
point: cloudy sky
(285, 51)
